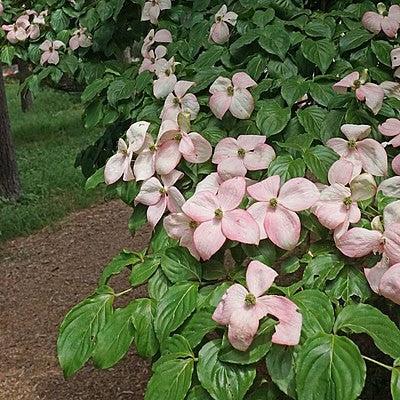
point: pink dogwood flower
(361, 151)
(120, 164)
(371, 93)
(176, 141)
(151, 58)
(165, 71)
(50, 52)
(219, 218)
(246, 153)
(180, 101)
(395, 57)
(276, 207)
(17, 32)
(396, 165)
(391, 127)
(160, 196)
(385, 279)
(151, 10)
(161, 36)
(359, 242)
(210, 183)
(337, 206)
(220, 30)
(80, 38)
(383, 20)
(241, 310)
(180, 227)
(232, 95)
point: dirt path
(43, 276)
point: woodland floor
(43, 276)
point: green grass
(47, 140)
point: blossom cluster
(229, 206)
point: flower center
(230, 90)
(218, 213)
(163, 191)
(193, 225)
(273, 202)
(176, 101)
(356, 84)
(241, 153)
(250, 299)
(152, 148)
(352, 144)
(348, 201)
(168, 72)
(219, 19)
(178, 137)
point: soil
(43, 276)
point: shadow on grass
(47, 140)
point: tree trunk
(26, 95)
(9, 180)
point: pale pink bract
(161, 36)
(219, 218)
(232, 95)
(360, 150)
(391, 127)
(151, 10)
(165, 71)
(241, 310)
(160, 196)
(220, 30)
(370, 93)
(377, 22)
(50, 52)
(151, 58)
(80, 38)
(276, 207)
(235, 157)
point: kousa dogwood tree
(258, 142)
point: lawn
(47, 140)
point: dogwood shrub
(258, 140)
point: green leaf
(322, 93)
(245, 39)
(318, 28)
(143, 320)
(198, 393)
(138, 218)
(317, 312)
(114, 340)
(350, 283)
(331, 126)
(395, 380)
(127, 191)
(354, 38)
(272, 118)
(158, 285)
(275, 40)
(287, 168)
(120, 89)
(363, 318)
(197, 326)
(263, 17)
(208, 58)
(117, 265)
(223, 381)
(142, 271)
(293, 89)
(257, 66)
(180, 266)
(174, 308)
(280, 364)
(257, 350)
(382, 49)
(329, 367)
(320, 269)
(78, 332)
(319, 52)
(59, 20)
(93, 89)
(93, 114)
(319, 159)
(311, 118)
(172, 378)
(267, 391)
(177, 344)
(7, 54)
(95, 180)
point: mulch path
(43, 276)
